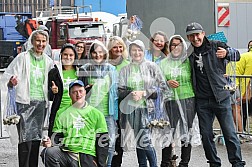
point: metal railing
(1, 124)
(241, 104)
(244, 100)
(1, 118)
(73, 11)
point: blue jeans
(207, 109)
(150, 153)
(111, 125)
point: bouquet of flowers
(134, 28)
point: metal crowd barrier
(1, 122)
(241, 109)
(245, 104)
(1, 118)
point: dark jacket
(215, 68)
(54, 75)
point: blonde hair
(117, 40)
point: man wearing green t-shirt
(80, 134)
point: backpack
(30, 25)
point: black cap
(193, 28)
(76, 82)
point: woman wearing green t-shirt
(100, 78)
(58, 81)
(28, 74)
(180, 109)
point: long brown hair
(69, 46)
(165, 49)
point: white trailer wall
(240, 30)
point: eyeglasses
(80, 47)
(175, 45)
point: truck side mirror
(62, 34)
(115, 30)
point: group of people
(100, 101)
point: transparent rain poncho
(101, 80)
(31, 119)
(141, 120)
(181, 107)
(31, 113)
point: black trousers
(117, 159)
(28, 153)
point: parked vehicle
(10, 39)
(68, 25)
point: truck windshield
(85, 31)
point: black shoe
(165, 164)
(172, 163)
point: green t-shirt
(68, 77)
(181, 72)
(136, 83)
(37, 78)
(120, 66)
(60, 111)
(155, 58)
(99, 97)
(79, 127)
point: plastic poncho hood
(184, 51)
(140, 44)
(95, 44)
(33, 34)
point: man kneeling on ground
(80, 135)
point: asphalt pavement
(8, 155)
